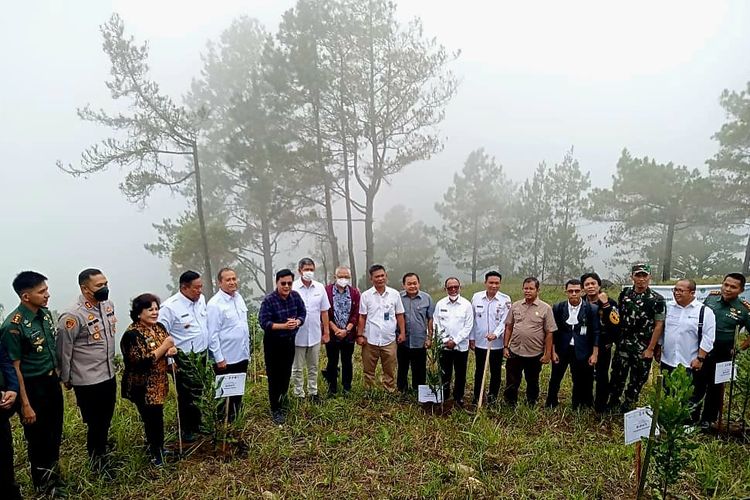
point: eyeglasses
(285, 283)
(573, 292)
(681, 290)
(452, 287)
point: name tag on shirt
(583, 330)
(386, 315)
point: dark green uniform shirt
(728, 316)
(30, 338)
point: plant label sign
(725, 372)
(426, 395)
(638, 424)
(231, 384)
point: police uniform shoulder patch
(70, 323)
(16, 319)
(614, 317)
(714, 292)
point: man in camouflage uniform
(28, 334)
(642, 314)
(731, 311)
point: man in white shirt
(310, 334)
(185, 318)
(454, 319)
(490, 309)
(689, 334)
(380, 313)
(227, 319)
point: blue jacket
(8, 378)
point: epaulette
(715, 292)
(16, 320)
(746, 304)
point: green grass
(375, 445)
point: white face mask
(453, 296)
(343, 282)
(308, 275)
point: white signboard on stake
(638, 424)
(230, 384)
(426, 395)
(724, 372)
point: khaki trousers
(387, 356)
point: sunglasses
(285, 283)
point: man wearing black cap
(642, 313)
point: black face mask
(102, 294)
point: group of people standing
(39, 353)
(608, 345)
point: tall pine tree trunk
(666, 270)
(265, 235)
(746, 261)
(208, 281)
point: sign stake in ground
(177, 400)
(731, 381)
(651, 436)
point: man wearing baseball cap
(642, 313)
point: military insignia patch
(16, 320)
(614, 318)
(88, 304)
(70, 323)
(97, 336)
(109, 309)
(715, 292)
(91, 316)
(746, 304)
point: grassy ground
(380, 446)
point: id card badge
(387, 315)
(583, 330)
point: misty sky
(536, 79)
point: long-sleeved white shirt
(227, 318)
(187, 323)
(489, 317)
(454, 320)
(680, 343)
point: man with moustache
(642, 313)
(418, 311)
(86, 350)
(454, 320)
(527, 342)
(731, 312)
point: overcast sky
(536, 79)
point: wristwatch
(701, 358)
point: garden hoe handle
(177, 398)
(484, 375)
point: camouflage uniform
(639, 313)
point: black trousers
(336, 350)
(153, 425)
(189, 390)
(97, 405)
(699, 389)
(450, 360)
(721, 352)
(528, 367)
(235, 402)
(11, 491)
(601, 375)
(582, 375)
(278, 353)
(43, 436)
(416, 358)
(496, 371)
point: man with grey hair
(344, 300)
(315, 328)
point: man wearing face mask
(316, 328)
(86, 349)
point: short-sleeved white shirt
(316, 301)
(381, 311)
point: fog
(535, 80)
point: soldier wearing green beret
(28, 334)
(731, 312)
(642, 313)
